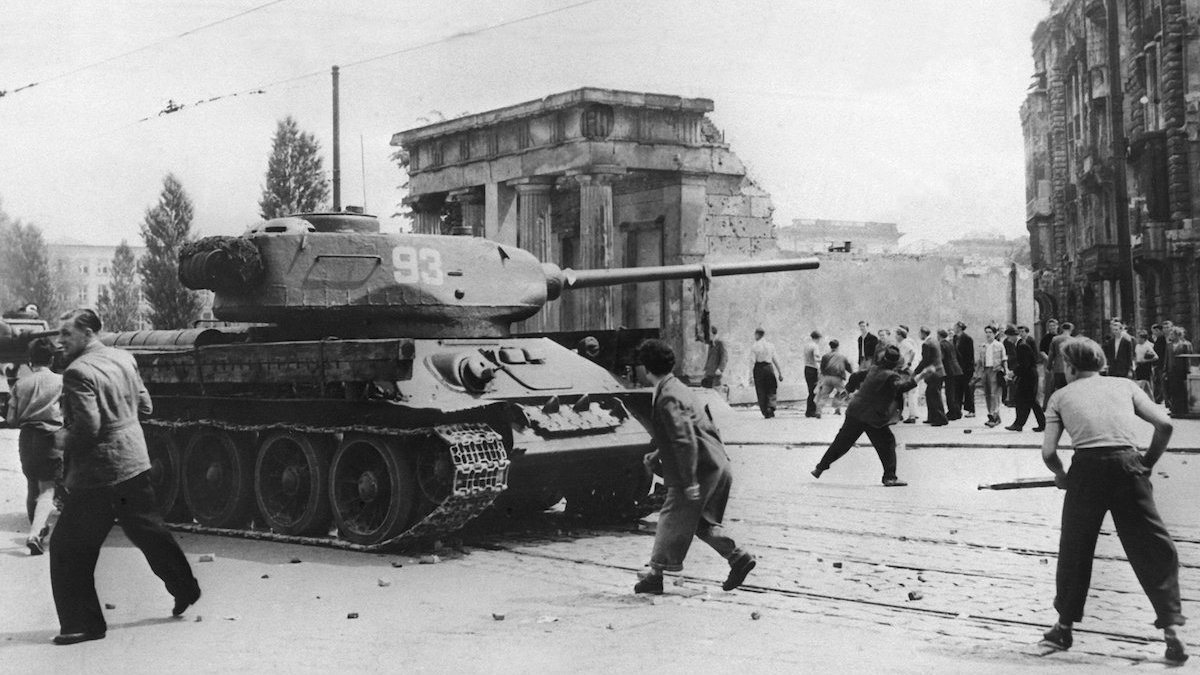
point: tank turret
(338, 275)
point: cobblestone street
(934, 577)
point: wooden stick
(1019, 484)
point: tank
(365, 389)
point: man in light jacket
(107, 480)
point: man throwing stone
(696, 472)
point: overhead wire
(142, 48)
(172, 106)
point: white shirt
(908, 352)
(762, 351)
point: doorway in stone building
(642, 304)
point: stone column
(533, 235)
(470, 200)
(596, 242)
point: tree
(24, 267)
(165, 229)
(296, 181)
(119, 302)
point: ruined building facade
(1073, 179)
(592, 179)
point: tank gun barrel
(559, 279)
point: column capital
(531, 184)
(596, 174)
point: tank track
(480, 475)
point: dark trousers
(765, 385)
(953, 397)
(1177, 394)
(1116, 481)
(810, 379)
(86, 520)
(881, 438)
(966, 391)
(1026, 401)
(935, 412)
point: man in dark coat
(874, 407)
(107, 481)
(964, 346)
(954, 373)
(695, 470)
(1121, 364)
(1024, 368)
(718, 359)
(867, 342)
(933, 372)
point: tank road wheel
(165, 458)
(291, 483)
(218, 479)
(373, 489)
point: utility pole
(1116, 120)
(337, 150)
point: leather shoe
(181, 604)
(73, 638)
(816, 473)
(1059, 637)
(738, 569)
(893, 482)
(1039, 429)
(1013, 428)
(37, 545)
(651, 584)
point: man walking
(964, 346)
(933, 372)
(1024, 368)
(34, 409)
(695, 470)
(107, 480)
(812, 371)
(867, 342)
(766, 373)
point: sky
(895, 111)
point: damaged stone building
(1082, 196)
(591, 179)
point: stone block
(761, 207)
(728, 205)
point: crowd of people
(1010, 366)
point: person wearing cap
(1024, 368)
(874, 407)
(588, 348)
(766, 373)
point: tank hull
(380, 442)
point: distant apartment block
(85, 267)
(806, 235)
